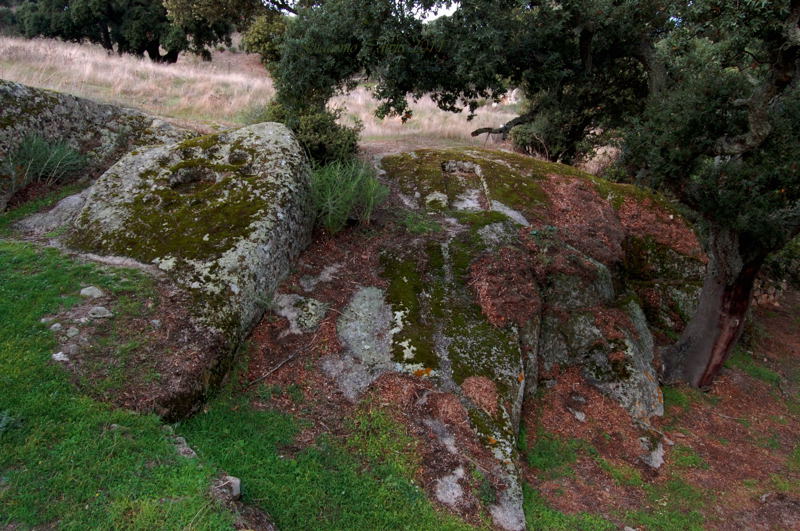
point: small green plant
(794, 459)
(539, 515)
(342, 191)
(553, 456)
(416, 223)
(37, 159)
(295, 392)
(485, 489)
(686, 457)
(621, 473)
(323, 138)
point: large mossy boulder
(102, 132)
(536, 268)
(222, 217)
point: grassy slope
(61, 462)
(60, 459)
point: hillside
(481, 354)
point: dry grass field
(214, 93)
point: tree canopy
(704, 94)
(136, 27)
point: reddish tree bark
(716, 326)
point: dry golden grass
(191, 89)
(216, 92)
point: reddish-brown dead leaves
(505, 287)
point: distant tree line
(138, 27)
(160, 30)
(9, 23)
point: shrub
(264, 36)
(37, 159)
(345, 190)
(785, 264)
(318, 132)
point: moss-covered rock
(102, 132)
(223, 216)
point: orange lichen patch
(482, 391)
(505, 287)
(646, 218)
(421, 373)
(584, 219)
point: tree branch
(782, 73)
(504, 129)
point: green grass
(416, 223)
(745, 363)
(687, 457)
(621, 473)
(794, 459)
(677, 397)
(675, 505)
(553, 457)
(364, 482)
(60, 459)
(31, 207)
(342, 191)
(539, 515)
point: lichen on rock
(101, 132)
(223, 216)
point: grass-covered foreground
(63, 463)
(60, 460)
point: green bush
(264, 36)
(342, 191)
(37, 159)
(9, 25)
(318, 132)
(785, 264)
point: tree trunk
(709, 337)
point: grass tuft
(344, 191)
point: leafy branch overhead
(703, 95)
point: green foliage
(263, 37)
(373, 434)
(9, 24)
(318, 131)
(342, 191)
(128, 26)
(785, 264)
(676, 396)
(31, 207)
(324, 486)
(553, 456)
(417, 223)
(621, 473)
(794, 459)
(61, 459)
(674, 505)
(37, 159)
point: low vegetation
(344, 191)
(68, 458)
(39, 160)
